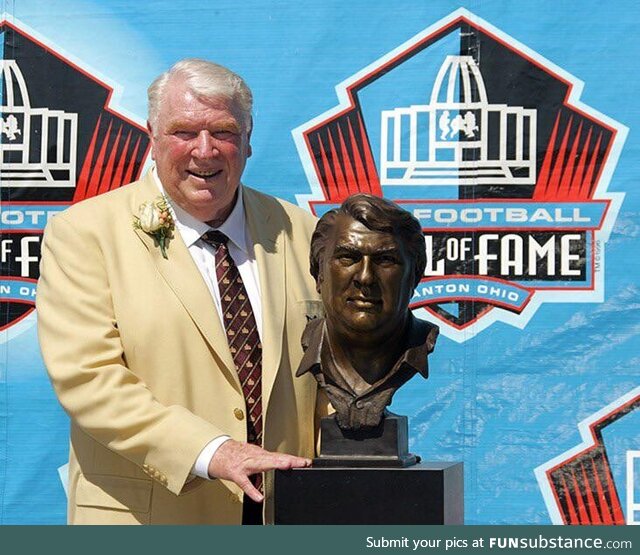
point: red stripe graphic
(573, 517)
(128, 177)
(588, 184)
(570, 171)
(341, 183)
(329, 184)
(556, 172)
(110, 161)
(117, 177)
(83, 180)
(351, 183)
(564, 190)
(370, 165)
(105, 182)
(545, 171)
(582, 510)
(362, 181)
(594, 515)
(602, 499)
(576, 183)
(618, 516)
(94, 182)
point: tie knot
(215, 238)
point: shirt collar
(420, 341)
(192, 229)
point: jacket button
(238, 413)
(359, 404)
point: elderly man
(170, 313)
(367, 258)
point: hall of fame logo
(60, 143)
(598, 481)
(488, 145)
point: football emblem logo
(60, 142)
(488, 145)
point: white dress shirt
(241, 250)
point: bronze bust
(367, 256)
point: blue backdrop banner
(506, 128)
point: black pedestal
(426, 493)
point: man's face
(200, 148)
(365, 280)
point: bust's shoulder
(312, 332)
(424, 332)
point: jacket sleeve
(84, 357)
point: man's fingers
(249, 489)
(285, 462)
(271, 461)
(237, 461)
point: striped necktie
(242, 332)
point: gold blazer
(139, 360)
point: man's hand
(237, 461)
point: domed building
(37, 145)
(459, 138)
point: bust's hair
(376, 214)
(206, 80)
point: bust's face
(365, 280)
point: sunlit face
(200, 148)
(365, 280)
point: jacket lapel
(268, 237)
(183, 277)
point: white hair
(206, 80)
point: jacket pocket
(114, 492)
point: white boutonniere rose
(154, 218)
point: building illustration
(38, 146)
(459, 138)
